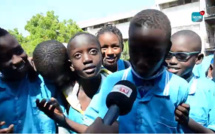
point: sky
(16, 13)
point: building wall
(181, 15)
(180, 18)
(123, 27)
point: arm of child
(53, 110)
(99, 127)
(6, 130)
(182, 116)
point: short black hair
(191, 35)
(3, 32)
(81, 33)
(151, 18)
(111, 29)
(49, 57)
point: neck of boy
(90, 86)
(112, 68)
(188, 76)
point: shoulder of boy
(180, 87)
(105, 72)
(127, 64)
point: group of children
(65, 89)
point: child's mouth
(110, 60)
(90, 70)
(173, 70)
(21, 68)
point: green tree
(125, 53)
(46, 27)
(18, 35)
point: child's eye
(77, 56)
(116, 47)
(93, 51)
(18, 51)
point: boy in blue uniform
(111, 42)
(19, 91)
(202, 69)
(159, 92)
(52, 63)
(184, 54)
(86, 59)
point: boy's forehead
(8, 41)
(148, 33)
(83, 40)
(184, 43)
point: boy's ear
(31, 61)
(199, 58)
(72, 68)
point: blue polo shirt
(201, 99)
(76, 114)
(152, 111)
(120, 65)
(18, 106)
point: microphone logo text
(122, 89)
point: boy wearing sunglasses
(198, 114)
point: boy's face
(13, 62)
(85, 56)
(111, 49)
(182, 64)
(147, 49)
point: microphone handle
(111, 115)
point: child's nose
(173, 60)
(109, 51)
(17, 61)
(86, 59)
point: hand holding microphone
(119, 101)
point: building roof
(93, 22)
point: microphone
(120, 101)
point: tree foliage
(45, 27)
(125, 53)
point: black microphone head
(123, 95)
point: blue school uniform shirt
(76, 114)
(152, 113)
(121, 65)
(201, 99)
(201, 69)
(18, 106)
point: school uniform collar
(157, 81)
(71, 95)
(193, 85)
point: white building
(179, 13)
(121, 21)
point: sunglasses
(181, 56)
